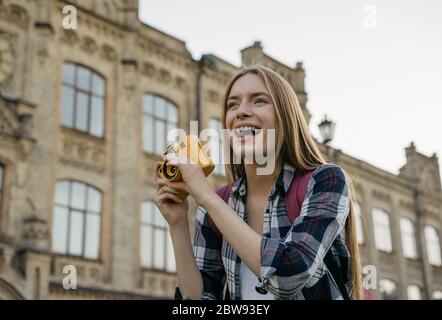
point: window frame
(434, 243)
(89, 93)
(419, 291)
(164, 229)
(382, 246)
(169, 104)
(85, 213)
(359, 224)
(394, 294)
(411, 234)
(436, 293)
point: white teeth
(243, 131)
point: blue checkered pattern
(293, 255)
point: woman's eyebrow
(259, 93)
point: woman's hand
(194, 181)
(171, 202)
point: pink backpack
(293, 198)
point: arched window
(83, 100)
(359, 224)
(408, 238)
(388, 289)
(382, 233)
(156, 250)
(433, 246)
(159, 117)
(216, 145)
(414, 292)
(76, 226)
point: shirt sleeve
(288, 265)
(207, 251)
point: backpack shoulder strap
(294, 197)
(224, 193)
(293, 201)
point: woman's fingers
(168, 196)
(177, 192)
(165, 189)
(181, 186)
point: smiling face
(250, 113)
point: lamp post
(327, 130)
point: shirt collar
(239, 186)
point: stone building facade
(83, 114)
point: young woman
(262, 254)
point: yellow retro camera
(194, 150)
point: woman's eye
(260, 101)
(230, 105)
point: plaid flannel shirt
(293, 255)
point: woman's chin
(247, 154)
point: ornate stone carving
(181, 83)
(148, 69)
(86, 269)
(88, 44)
(69, 36)
(108, 52)
(8, 123)
(35, 232)
(6, 59)
(16, 123)
(406, 205)
(381, 195)
(82, 152)
(14, 14)
(164, 76)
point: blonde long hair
(295, 146)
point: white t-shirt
(248, 282)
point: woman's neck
(260, 184)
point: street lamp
(327, 130)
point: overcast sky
(374, 67)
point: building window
(156, 250)
(216, 146)
(1, 185)
(76, 225)
(382, 230)
(433, 246)
(359, 224)
(388, 289)
(414, 292)
(437, 295)
(408, 238)
(83, 100)
(159, 117)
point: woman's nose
(243, 111)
